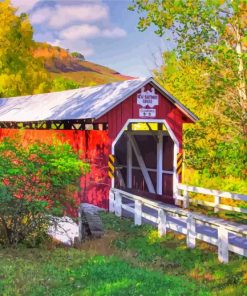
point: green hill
(61, 63)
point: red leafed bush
(37, 181)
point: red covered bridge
(137, 121)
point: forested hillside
(61, 63)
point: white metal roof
(82, 103)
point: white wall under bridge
(146, 154)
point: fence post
(138, 212)
(118, 204)
(216, 203)
(111, 201)
(162, 216)
(191, 231)
(223, 252)
(186, 199)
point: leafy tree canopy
(207, 71)
(20, 72)
(60, 84)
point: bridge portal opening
(144, 155)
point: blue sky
(103, 30)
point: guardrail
(218, 195)
(227, 236)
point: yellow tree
(20, 72)
(212, 32)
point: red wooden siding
(93, 147)
(129, 109)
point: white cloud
(24, 5)
(114, 33)
(90, 32)
(71, 23)
(80, 32)
(86, 13)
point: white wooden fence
(224, 234)
(218, 195)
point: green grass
(170, 255)
(73, 272)
(128, 260)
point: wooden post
(186, 199)
(111, 202)
(159, 172)
(223, 253)
(162, 216)
(191, 231)
(216, 203)
(118, 204)
(138, 212)
(175, 175)
(129, 164)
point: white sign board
(148, 98)
(147, 112)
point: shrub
(36, 181)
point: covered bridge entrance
(130, 132)
(145, 161)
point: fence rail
(218, 195)
(227, 236)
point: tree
(36, 181)
(213, 33)
(20, 72)
(211, 146)
(60, 84)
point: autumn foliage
(36, 181)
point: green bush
(36, 181)
(60, 84)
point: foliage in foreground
(74, 272)
(142, 264)
(36, 181)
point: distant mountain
(61, 63)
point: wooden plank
(207, 239)
(129, 164)
(220, 206)
(223, 253)
(212, 221)
(162, 217)
(118, 204)
(128, 209)
(191, 231)
(206, 191)
(159, 179)
(149, 217)
(138, 212)
(111, 201)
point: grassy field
(128, 260)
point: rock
(92, 209)
(64, 230)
